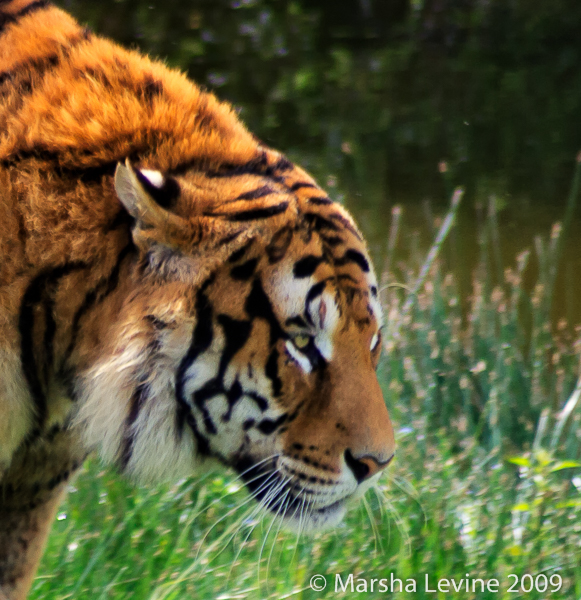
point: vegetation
(480, 369)
(379, 91)
(486, 482)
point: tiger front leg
(23, 532)
(30, 493)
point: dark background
(377, 97)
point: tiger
(173, 293)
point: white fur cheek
(104, 399)
(203, 370)
(104, 395)
(230, 434)
(299, 357)
(159, 453)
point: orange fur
(171, 291)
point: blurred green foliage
(486, 479)
(382, 89)
(389, 101)
(379, 99)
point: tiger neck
(64, 320)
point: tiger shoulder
(172, 292)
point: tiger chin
(172, 292)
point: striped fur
(171, 291)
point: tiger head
(250, 333)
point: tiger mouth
(286, 499)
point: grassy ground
(486, 483)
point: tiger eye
(301, 341)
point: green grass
(486, 479)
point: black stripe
(332, 240)
(271, 371)
(88, 175)
(202, 337)
(279, 245)
(345, 222)
(261, 401)
(236, 333)
(321, 201)
(151, 89)
(138, 400)
(353, 256)
(49, 333)
(42, 288)
(209, 390)
(253, 213)
(238, 254)
(282, 164)
(307, 265)
(7, 19)
(268, 426)
(40, 67)
(203, 446)
(296, 320)
(301, 184)
(315, 291)
(258, 306)
(256, 166)
(244, 271)
(38, 153)
(230, 238)
(259, 213)
(260, 192)
(317, 222)
(345, 277)
(96, 295)
(232, 395)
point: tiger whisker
(372, 521)
(251, 498)
(256, 509)
(229, 493)
(300, 510)
(234, 529)
(280, 516)
(394, 514)
(250, 517)
(264, 541)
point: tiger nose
(366, 466)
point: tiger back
(171, 292)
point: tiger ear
(176, 248)
(146, 196)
